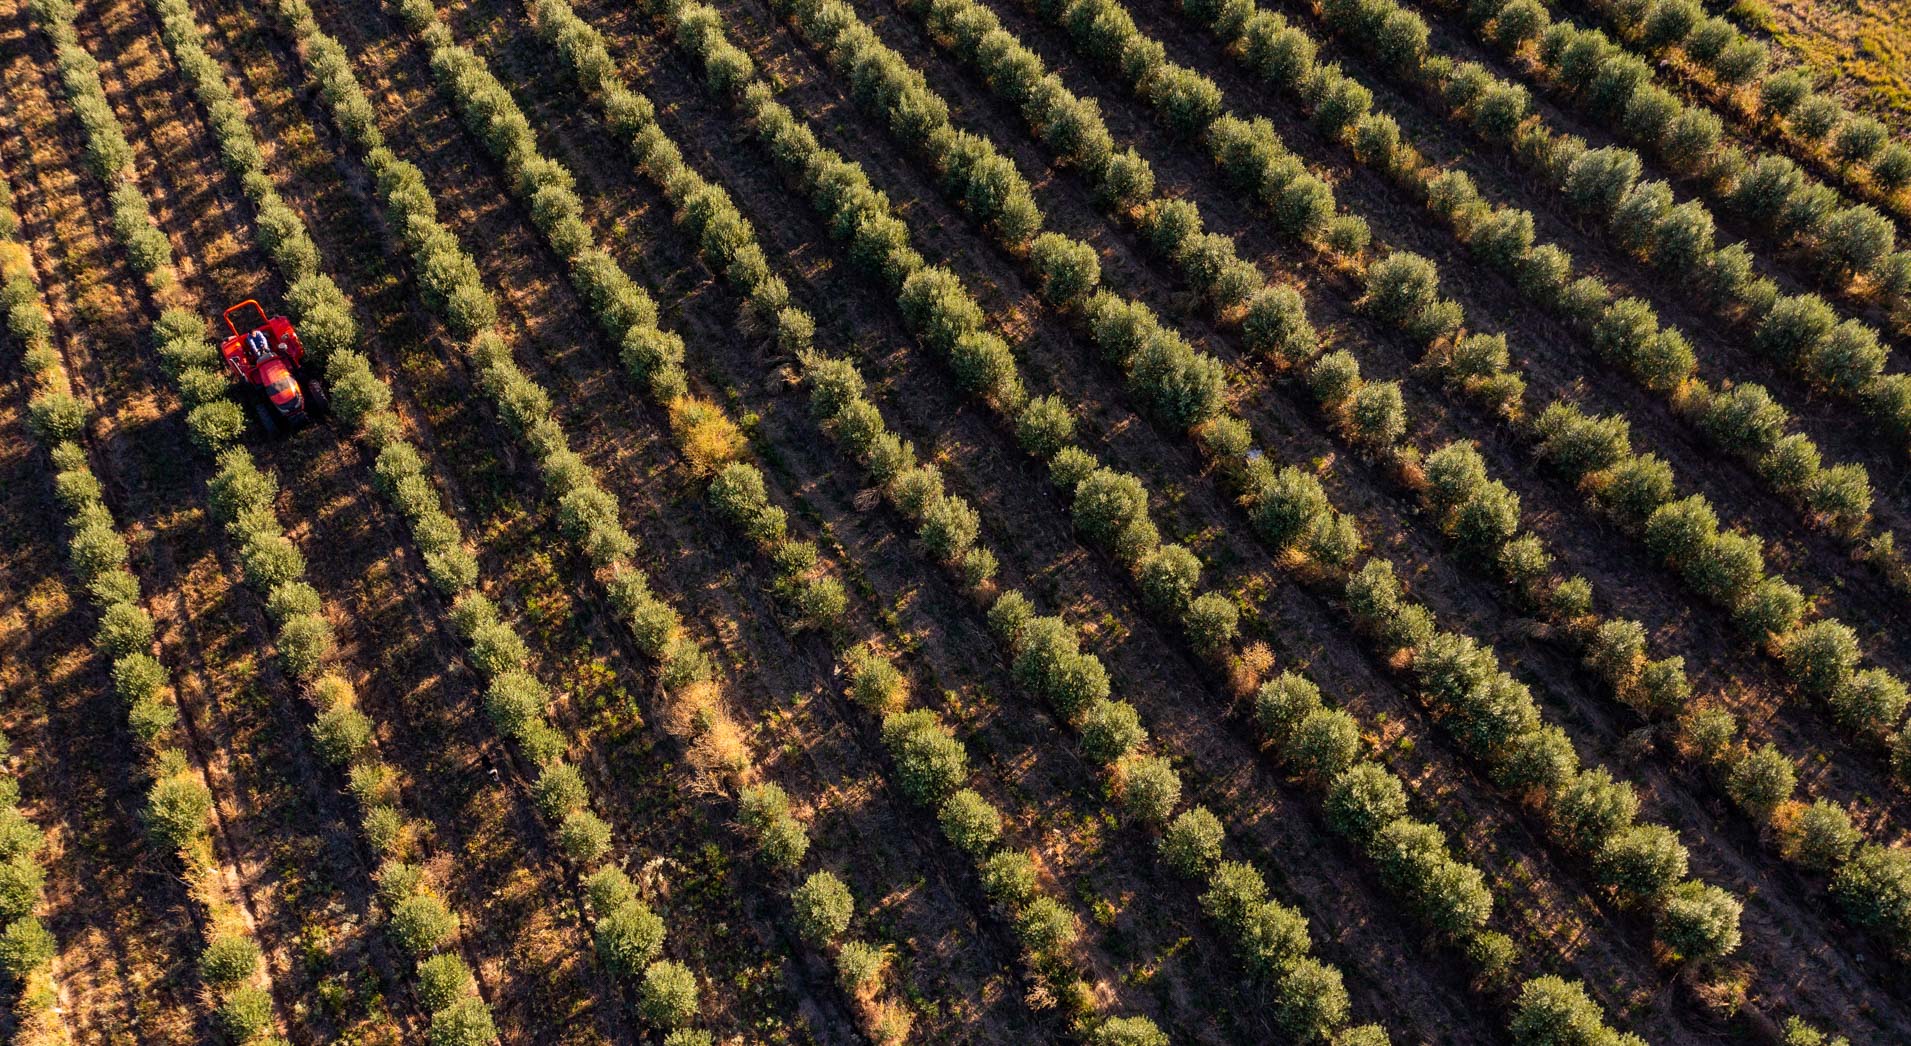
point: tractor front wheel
(268, 418)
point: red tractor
(269, 362)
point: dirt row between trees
(63, 728)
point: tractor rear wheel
(318, 402)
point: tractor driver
(258, 347)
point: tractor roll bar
(249, 301)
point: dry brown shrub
(708, 437)
(1250, 668)
(889, 1022)
(717, 747)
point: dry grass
(1864, 45)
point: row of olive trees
(1373, 412)
(1403, 290)
(1237, 895)
(57, 419)
(1740, 69)
(930, 763)
(1643, 220)
(1847, 361)
(108, 154)
(1367, 802)
(1853, 244)
(932, 771)
(1109, 507)
(1727, 567)
(1175, 230)
(1046, 659)
(1492, 715)
(1869, 705)
(1128, 327)
(241, 497)
(711, 442)
(514, 699)
(628, 932)
(1742, 420)
(1485, 518)
(27, 947)
(1044, 653)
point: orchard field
(954, 521)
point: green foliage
(1760, 780)
(1009, 880)
(1068, 269)
(1149, 787)
(629, 938)
(25, 945)
(1820, 836)
(1821, 657)
(1310, 1000)
(1044, 426)
(443, 979)
(559, 790)
(21, 879)
(422, 924)
(1641, 862)
(178, 808)
(583, 837)
(1168, 577)
(467, 1022)
(1110, 730)
(1874, 888)
(1700, 921)
(1363, 799)
(1592, 806)
(1128, 1031)
(246, 1012)
(1045, 926)
(764, 809)
(1415, 862)
(1323, 743)
(970, 822)
(1191, 844)
(1554, 1012)
(1403, 290)
(823, 907)
(1276, 326)
(930, 762)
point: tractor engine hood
(281, 387)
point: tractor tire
(318, 401)
(269, 421)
